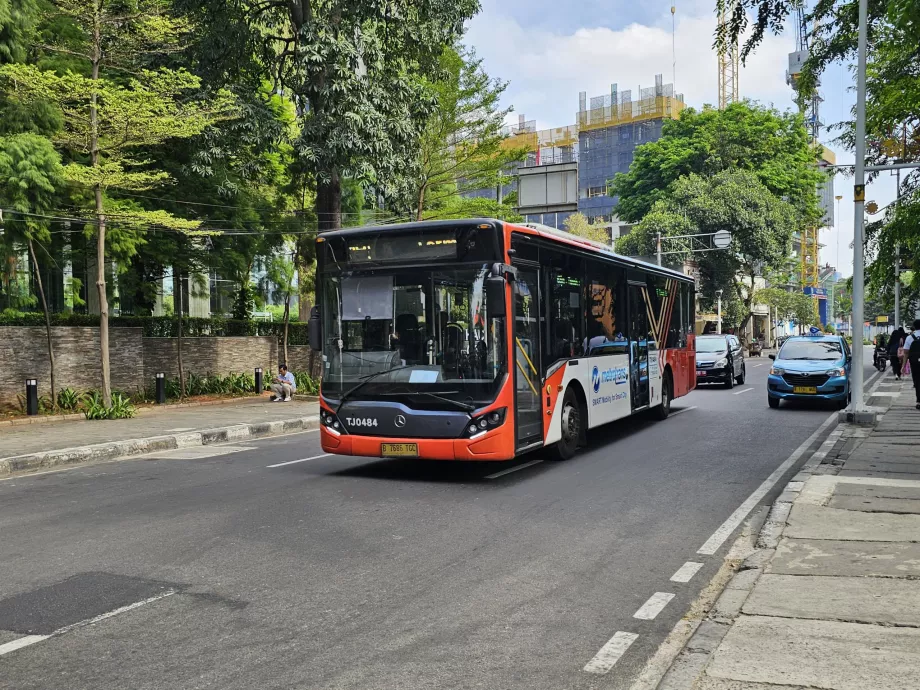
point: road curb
(139, 446)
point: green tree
(772, 146)
(578, 224)
(282, 275)
(461, 148)
(30, 175)
(761, 227)
(108, 116)
(355, 71)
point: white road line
(758, 365)
(686, 572)
(512, 469)
(21, 642)
(33, 639)
(681, 411)
(294, 462)
(726, 528)
(744, 391)
(653, 606)
(610, 653)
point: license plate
(805, 389)
(700, 373)
(396, 450)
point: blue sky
(549, 50)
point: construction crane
(809, 106)
(729, 63)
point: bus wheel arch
(667, 394)
(574, 421)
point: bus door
(638, 347)
(528, 409)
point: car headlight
(331, 422)
(722, 362)
(777, 371)
(838, 371)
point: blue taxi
(811, 367)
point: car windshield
(711, 345)
(411, 334)
(822, 350)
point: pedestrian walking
(912, 356)
(896, 351)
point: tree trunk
(100, 212)
(41, 293)
(287, 321)
(179, 311)
(329, 203)
(419, 215)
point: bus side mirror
(314, 328)
(495, 295)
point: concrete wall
(210, 355)
(300, 360)
(134, 359)
(24, 354)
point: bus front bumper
(490, 446)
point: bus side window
(605, 310)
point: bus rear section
(476, 340)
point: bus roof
(528, 228)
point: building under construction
(568, 168)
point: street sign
(814, 330)
(881, 319)
(722, 239)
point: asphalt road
(355, 573)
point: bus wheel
(571, 427)
(664, 409)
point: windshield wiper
(466, 407)
(367, 379)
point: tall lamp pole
(719, 310)
(857, 410)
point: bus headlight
(330, 421)
(483, 423)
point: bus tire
(662, 411)
(572, 421)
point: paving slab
(707, 683)
(876, 504)
(884, 601)
(819, 654)
(880, 474)
(815, 522)
(907, 467)
(877, 490)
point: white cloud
(548, 69)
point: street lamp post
(719, 310)
(857, 410)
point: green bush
(94, 407)
(306, 384)
(68, 399)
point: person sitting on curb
(912, 357)
(283, 384)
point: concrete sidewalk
(43, 446)
(830, 598)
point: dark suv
(719, 359)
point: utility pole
(857, 411)
(719, 311)
(897, 246)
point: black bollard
(259, 386)
(161, 388)
(31, 397)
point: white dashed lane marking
(686, 572)
(294, 462)
(744, 391)
(610, 653)
(653, 606)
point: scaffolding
(729, 64)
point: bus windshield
(411, 333)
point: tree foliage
(578, 224)
(772, 146)
(761, 227)
(462, 147)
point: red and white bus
(482, 340)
